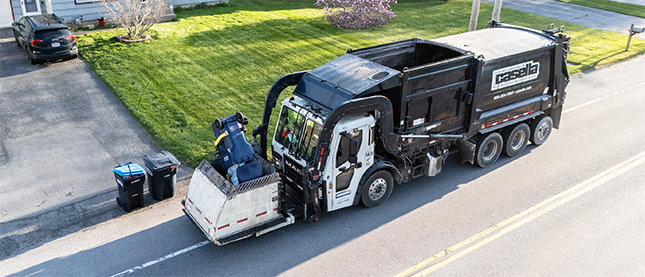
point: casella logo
(515, 74)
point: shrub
(134, 16)
(357, 14)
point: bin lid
(128, 169)
(160, 160)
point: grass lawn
(612, 6)
(215, 61)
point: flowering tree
(134, 16)
(357, 14)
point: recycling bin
(130, 178)
(161, 168)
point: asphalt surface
(595, 234)
(61, 133)
(594, 18)
(60, 136)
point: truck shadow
(269, 255)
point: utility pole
(497, 10)
(473, 16)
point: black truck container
(475, 94)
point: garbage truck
(380, 116)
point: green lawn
(613, 6)
(213, 62)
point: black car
(44, 37)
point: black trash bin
(162, 174)
(130, 178)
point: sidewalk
(594, 18)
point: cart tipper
(379, 116)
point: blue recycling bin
(130, 178)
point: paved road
(596, 233)
(594, 18)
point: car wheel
(541, 129)
(488, 149)
(32, 60)
(377, 189)
(515, 139)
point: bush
(134, 16)
(357, 14)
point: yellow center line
(546, 206)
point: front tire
(541, 129)
(515, 139)
(488, 149)
(377, 189)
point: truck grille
(293, 170)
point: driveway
(61, 133)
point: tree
(357, 14)
(134, 16)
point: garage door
(5, 13)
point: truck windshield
(296, 136)
(309, 141)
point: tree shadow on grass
(243, 5)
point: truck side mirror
(353, 150)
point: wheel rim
(489, 150)
(543, 131)
(518, 140)
(377, 189)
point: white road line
(153, 262)
(585, 104)
(601, 98)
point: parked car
(45, 37)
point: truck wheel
(515, 139)
(488, 149)
(541, 129)
(377, 189)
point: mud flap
(556, 115)
(467, 151)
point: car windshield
(291, 134)
(50, 34)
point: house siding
(70, 10)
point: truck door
(354, 151)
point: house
(73, 10)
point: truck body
(383, 115)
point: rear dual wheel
(489, 147)
(515, 139)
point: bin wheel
(218, 124)
(241, 118)
(488, 149)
